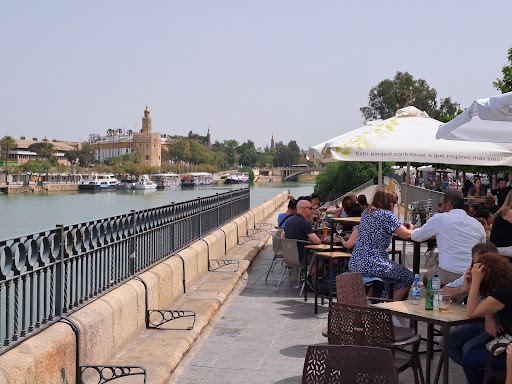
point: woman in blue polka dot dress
(372, 238)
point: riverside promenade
(261, 337)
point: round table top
(322, 246)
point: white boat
(237, 178)
(196, 179)
(99, 182)
(167, 180)
(144, 183)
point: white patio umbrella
(409, 136)
(485, 120)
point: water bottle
(416, 292)
(436, 287)
(429, 295)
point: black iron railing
(52, 273)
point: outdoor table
(315, 248)
(457, 315)
(344, 257)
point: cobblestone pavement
(260, 336)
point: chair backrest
(357, 325)
(276, 241)
(290, 253)
(326, 364)
(350, 289)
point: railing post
(132, 245)
(218, 211)
(200, 218)
(59, 274)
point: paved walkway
(260, 336)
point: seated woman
(502, 228)
(490, 278)
(372, 238)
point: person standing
(456, 233)
(501, 191)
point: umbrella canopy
(485, 120)
(409, 136)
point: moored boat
(237, 178)
(196, 179)
(99, 182)
(167, 180)
(144, 183)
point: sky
(296, 69)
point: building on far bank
(21, 154)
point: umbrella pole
(380, 175)
(406, 205)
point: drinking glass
(325, 230)
(444, 302)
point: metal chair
(276, 248)
(350, 290)
(372, 327)
(327, 364)
(291, 260)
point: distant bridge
(289, 174)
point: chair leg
(416, 365)
(281, 278)
(271, 267)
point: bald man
(299, 228)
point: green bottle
(429, 295)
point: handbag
(504, 338)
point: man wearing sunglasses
(299, 228)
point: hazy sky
(247, 69)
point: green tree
(229, 148)
(403, 90)
(340, 178)
(44, 151)
(505, 84)
(36, 166)
(248, 153)
(6, 144)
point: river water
(23, 214)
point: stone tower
(147, 143)
(272, 144)
(209, 139)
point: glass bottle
(429, 295)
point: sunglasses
(310, 208)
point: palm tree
(119, 131)
(110, 133)
(7, 143)
(130, 133)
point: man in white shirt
(456, 233)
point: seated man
(489, 204)
(456, 234)
(501, 192)
(282, 218)
(464, 336)
(299, 228)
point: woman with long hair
(372, 238)
(501, 233)
(491, 278)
